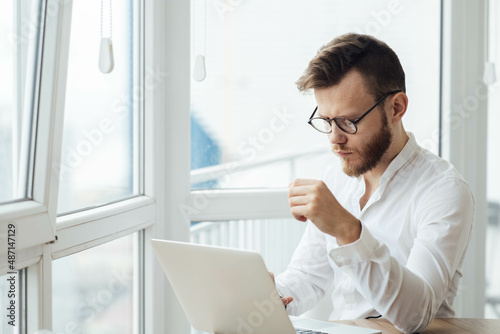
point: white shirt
(408, 261)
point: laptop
(230, 291)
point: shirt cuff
(358, 251)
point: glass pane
(492, 307)
(10, 300)
(247, 109)
(100, 150)
(94, 291)
(19, 59)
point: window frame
(464, 57)
(42, 235)
(167, 124)
(89, 228)
(33, 218)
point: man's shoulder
(417, 163)
(429, 173)
(428, 165)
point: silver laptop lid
(223, 290)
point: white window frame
(167, 159)
(42, 236)
(465, 138)
(86, 229)
(35, 218)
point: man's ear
(399, 106)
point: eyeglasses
(324, 124)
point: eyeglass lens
(346, 125)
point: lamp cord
(110, 18)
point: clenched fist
(311, 199)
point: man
(389, 226)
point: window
(107, 211)
(100, 156)
(238, 176)
(95, 290)
(248, 120)
(19, 60)
(95, 279)
(250, 135)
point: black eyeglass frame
(354, 122)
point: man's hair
(373, 59)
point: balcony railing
(205, 174)
(274, 239)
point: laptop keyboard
(307, 331)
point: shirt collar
(400, 160)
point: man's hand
(285, 300)
(311, 199)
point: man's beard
(371, 153)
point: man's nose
(337, 136)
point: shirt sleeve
(309, 273)
(409, 295)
